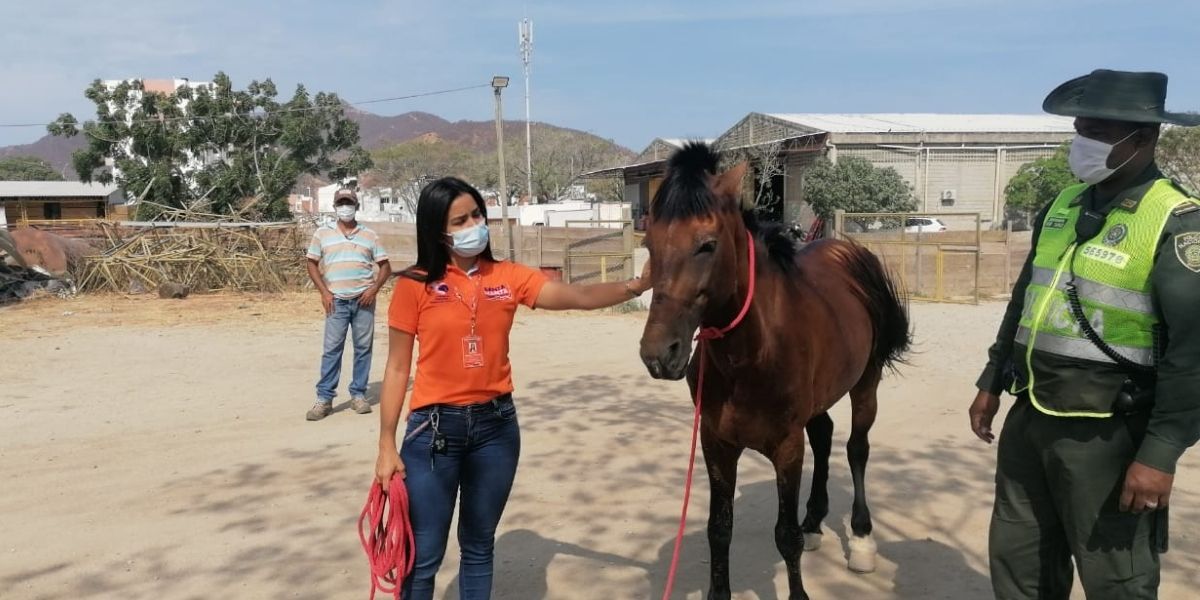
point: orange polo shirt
(438, 313)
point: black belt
(494, 403)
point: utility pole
(525, 41)
(499, 82)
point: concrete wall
(967, 173)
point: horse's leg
(820, 437)
(789, 469)
(721, 459)
(864, 404)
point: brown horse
(823, 321)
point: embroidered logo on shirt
(1187, 250)
(440, 291)
(497, 293)
(1116, 234)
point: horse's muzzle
(666, 360)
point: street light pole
(500, 82)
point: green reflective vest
(1112, 276)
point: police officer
(1101, 346)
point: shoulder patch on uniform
(1187, 250)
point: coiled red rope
(387, 536)
(706, 333)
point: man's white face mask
(1089, 158)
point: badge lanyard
(472, 344)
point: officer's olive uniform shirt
(1175, 419)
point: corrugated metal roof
(54, 189)
(929, 123)
(679, 142)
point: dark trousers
(1058, 482)
(483, 443)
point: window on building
(100, 210)
(51, 211)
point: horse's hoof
(862, 554)
(812, 542)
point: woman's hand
(556, 295)
(643, 283)
(387, 465)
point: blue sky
(629, 70)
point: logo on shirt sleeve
(1187, 250)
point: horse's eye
(707, 248)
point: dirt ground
(158, 449)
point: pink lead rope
(387, 537)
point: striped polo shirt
(348, 261)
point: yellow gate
(937, 257)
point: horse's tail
(882, 299)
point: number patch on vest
(1187, 249)
(1107, 256)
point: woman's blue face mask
(470, 242)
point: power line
(255, 114)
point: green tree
(857, 186)
(1035, 185)
(1179, 156)
(408, 166)
(213, 149)
(27, 168)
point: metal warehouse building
(954, 162)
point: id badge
(472, 351)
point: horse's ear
(728, 185)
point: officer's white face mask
(1089, 158)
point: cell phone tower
(525, 42)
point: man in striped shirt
(349, 266)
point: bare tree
(766, 159)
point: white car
(923, 225)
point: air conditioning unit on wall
(948, 197)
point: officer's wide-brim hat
(1117, 96)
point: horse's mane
(685, 194)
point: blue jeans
(347, 314)
(483, 443)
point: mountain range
(375, 132)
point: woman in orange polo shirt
(462, 434)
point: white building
(565, 214)
(133, 111)
(374, 204)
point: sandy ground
(158, 449)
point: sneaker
(360, 405)
(319, 411)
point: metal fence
(606, 255)
(936, 257)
